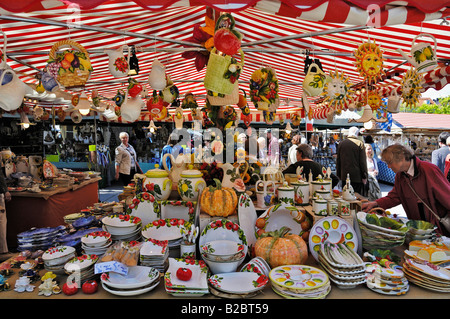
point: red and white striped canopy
(279, 34)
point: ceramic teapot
(12, 92)
(158, 180)
(423, 56)
(131, 108)
(178, 166)
(118, 65)
(394, 102)
(231, 173)
(190, 184)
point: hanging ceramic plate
(137, 277)
(278, 216)
(223, 229)
(239, 282)
(334, 230)
(145, 207)
(298, 277)
(178, 209)
(247, 219)
(198, 279)
(164, 229)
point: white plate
(130, 292)
(80, 263)
(137, 277)
(164, 229)
(223, 229)
(153, 247)
(197, 281)
(334, 230)
(247, 219)
(57, 252)
(278, 216)
(413, 254)
(362, 218)
(146, 209)
(178, 209)
(239, 282)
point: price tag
(108, 266)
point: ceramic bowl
(59, 255)
(218, 267)
(225, 250)
(420, 227)
(121, 224)
(96, 239)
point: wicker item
(224, 99)
(218, 77)
(71, 68)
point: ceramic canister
(286, 195)
(301, 193)
(344, 208)
(320, 206)
(323, 193)
(321, 184)
(158, 182)
(332, 207)
(190, 183)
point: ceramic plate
(164, 229)
(144, 207)
(223, 229)
(334, 230)
(198, 279)
(278, 216)
(130, 292)
(428, 269)
(120, 220)
(238, 282)
(362, 219)
(84, 221)
(247, 219)
(298, 277)
(95, 239)
(57, 252)
(81, 262)
(178, 209)
(413, 254)
(153, 247)
(37, 232)
(137, 277)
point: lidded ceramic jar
(286, 194)
(190, 183)
(301, 192)
(158, 182)
(320, 206)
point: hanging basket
(71, 68)
(222, 73)
(224, 99)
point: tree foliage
(441, 107)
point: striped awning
(279, 34)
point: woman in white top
(292, 153)
(372, 165)
(372, 186)
(126, 163)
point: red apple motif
(184, 274)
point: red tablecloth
(25, 212)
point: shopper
(351, 160)
(332, 146)
(447, 162)
(438, 156)
(4, 197)
(126, 163)
(292, 152)
(419, 186)
(304, 159)
(172, 147)
(373, 190)
(262, 151)
(273, 148)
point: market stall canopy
(279, 34)
(422, 121)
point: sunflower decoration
(369, 61)
(337, 92)
(412, 87)
(375, 100)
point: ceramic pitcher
(423, 56)
(265, 197)
(118, 65)
(157, 77)
(231, 173)
(314, 80)
(131, 108)
(159, 182)
(12, 92)
(394, 101)
(178, 166)
(48, 81)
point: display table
(47, 208)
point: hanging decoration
(3, 53)
(118, 65)
(296, 119)
(264, 88)
(337, 91)
(189, 101)
(157, 77)
(423, 56)
(178, 118)
(170, 93)
(369, 61)
(412, 87)
(374, 99)
(226, 38)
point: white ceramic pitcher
(131, 108)
(11, 93)
(118, 65)
(423, 56)
(394, 101)
(178, 166)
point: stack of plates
(166, 229)
(56, 257)
(82, 266)
(378, 237)
(39, 238)
(427, 275)
(299, 282)
(196, 286)
(420, 230)
(69, 219)
(85, 222)
(122, 227)
(237, 285)
(344, 267)
(96, 242)
(139, 280)
(386, 280)
(154, 253)
(74, 239)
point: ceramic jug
(190, 184)
(394, 101)
(157, 77)
(131, 108)
(423, 56)
(48, 81)
(314, 81)
(265, 197)
(12, 92)
(231, 173)
(178, 166)
(158, 180)
(118, 65)
(3, 52)
(178, 118)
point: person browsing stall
(126, 164)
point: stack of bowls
(419, 230)
(55, 258)
(96, 242)
(122, 227)
(223, 256)
(139, 280)
(82, 266)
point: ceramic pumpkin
(218, 201)
(280, 247)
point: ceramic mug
(286, 195)
(187, 250)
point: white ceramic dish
(362, 218)
(247, 219)
(197, 281)
(218, 267)
(277, 216)
(130, 292)
(258, 265)
(298, 277)
(238, 282)
(121, 224)
(58, 255)
(178, 209)
(80, 263)
(137, 277)
(163, 229)
(144, 208)
(224, 249)
(153, 247)
(96, 239)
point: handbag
(445, 221)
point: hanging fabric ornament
(337, 91)
(264, 88)
(369, 61)
(412, 87)
(157, 77)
